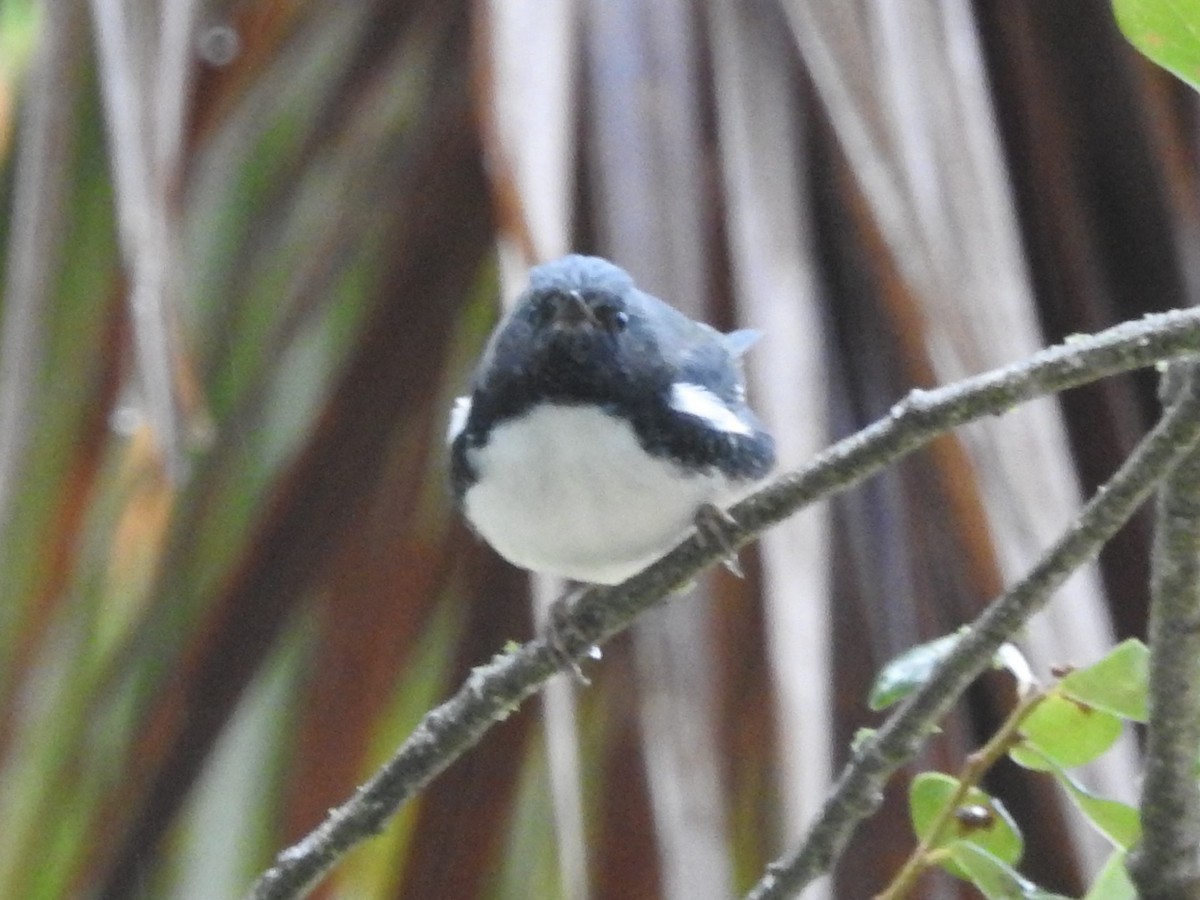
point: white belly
(567, 491)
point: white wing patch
(694, 400)
(458, 418)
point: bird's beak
(573, 312)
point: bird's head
(581, 325)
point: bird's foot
(562, 633)
(715, 528)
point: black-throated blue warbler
(601, 423)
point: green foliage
(966, 831)
(912, 668)
(908, 671)
(1166, 32)
(995, 878)
(1066, 732)
(1118, 822)
(1116, 684)
(1113, 881)
(977, 819)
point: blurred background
(249, 250)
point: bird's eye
(613, 319)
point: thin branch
(977, 766)
(858, 790)
(495, 690)
(1166, 865)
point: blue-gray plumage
(601, 421)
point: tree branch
(1166, 865)
(858, 789)
(495, 690)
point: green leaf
(995, 878)
(1113, 881)
(909, 671)
(1119, 822)
(1116, 684)
(1066, 731)
(981, 819)
(912, 668)
(1167, 32)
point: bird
(602, 425)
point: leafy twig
(858, 789)
(493, 691)
(977, 765)
(1166, 865)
